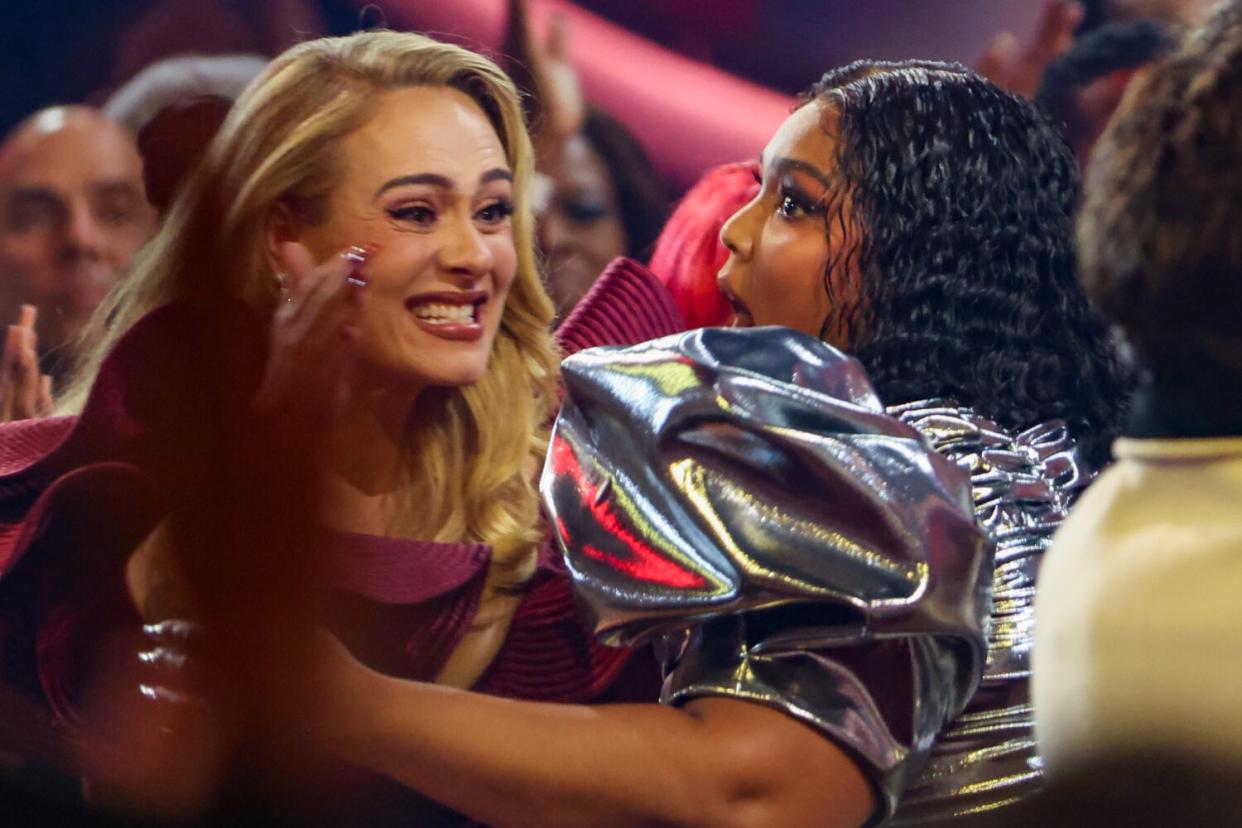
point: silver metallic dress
(741, 497)
(1023, 488)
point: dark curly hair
(962, 197)
(1160, 240)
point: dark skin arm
(715, 762)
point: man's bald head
(72, 214)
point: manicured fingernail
(26, 318)
(358, 257)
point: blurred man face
(72, 213)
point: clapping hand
(314, 330)
(24, 391)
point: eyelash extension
(800, 200)
(504, 206)
(405, 213)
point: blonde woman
(353, 257)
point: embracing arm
(715, 762)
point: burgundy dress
(77, 495)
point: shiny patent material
(1023, 488)
(742, 496)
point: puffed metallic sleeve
(742, 497)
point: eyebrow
(100, 189)
(32, 193)
(440, 181)
(26, 197)
(109, 189)
(782, 164)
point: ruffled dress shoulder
(79, 493)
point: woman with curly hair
(815, 573)
(922, 219)
(947, 261)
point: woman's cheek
(504, 258)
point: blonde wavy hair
(473, 451)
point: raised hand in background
(1019, 67)
(541, 67)
(24, 391)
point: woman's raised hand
(314, 331)
(1019, 66)
(542, 67)
(24, 392)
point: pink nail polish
(358, 257)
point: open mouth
(449, 315)
(742, 317)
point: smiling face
(427, 181)
(795, 230)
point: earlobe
(282, 226)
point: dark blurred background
(65, 51)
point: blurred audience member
(1178, 12)
(600, 198)
(72, 213)
(1140, 626)
(689, 254)
(175, 107)
(179, 79)
(174, 141)
(1139, 791)
(597, 196)
(1084, 86)
(171, 28)
(1019, 67)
